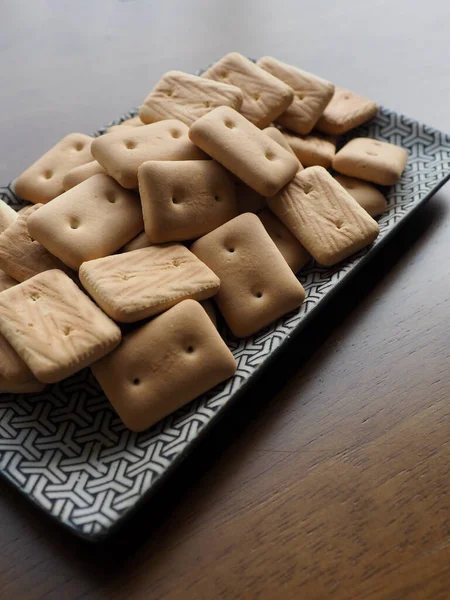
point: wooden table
(331, 479)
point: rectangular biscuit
(187, 97)
(323, 216)
(311, 95)
(81, 173)
(135, 285)
(345, 111)
(43, 181)
(163, 365)
(244, 150)
(293, 252)
(55, 328)
(93, 219)
(311, 150)
(183, 200)
(365, 194)
(256, 284)
(122, 152)
(264, 97)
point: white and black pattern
(67, 450)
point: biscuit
(264, 97)
(371, 160)
(43, 181)
(122, 152)
(312, 150)
(7, 216)
(81, 173)
(186, 97)
(365, 194)
(140, 241)
(247, 199)
(244, 150)
(345, 111)
(311, 95)
(257, 286)
(139, 284)
(163, 365)
(183, 200)
(94, 219)
(21, 257)
(277, 136)
(55, 328)
(6, 281)
(323, 216)
(293, 252)
(132, 122)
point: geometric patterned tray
(69, 453)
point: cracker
(186, 97)
(81, 173)
(264, 97)
(365, 194)
(311, 95)
(94, 219)
(132, 122)
(293, 252)
(21, 257)
(247, 199)
(183, 200)
(142, 283)
(244, 150)
(43, 181)
(345, 111)
(371, 160)
(323, 216)
(277, 136)
(7, 216)
(140, 241)
(312, 150)
(257, 285)
(122, 152)
(55, 328)
(163, 365)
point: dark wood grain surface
(331, 479)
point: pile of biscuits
(218, 189)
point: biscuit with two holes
(346, 111)
(365, 194)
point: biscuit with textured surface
(293, 252)
(183, 200)
(94, 219)
(265, 96)
(323, 216)
(43, 181)
(371, 160)
(257, 285)
(7, 216)
(132, 122)
(55, 328)
(6, 281)
(81, 173)
(311, 95)
(142, 283)
(122, 152)
(21, 257)
(163, 365)
(345, 111)
(140, 241)
(312, 150)
(244, 150)
(365, 194)
(187, 97)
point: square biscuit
(244, 150)
(135, 285)
(163, 365)
(183, 200)
(277, 136)
(7, 216)
(55, 328)
(140, 241)
(311, 150)
(345, 111)
(93, 219)
(123, 151)
(365, 194)
(43, 181)
(264, 97)
(187, 97)
(311, 95)
(293, 252)
(257, 285)
(22, 257)
(81, 173)
(371, 160)
(323, 216)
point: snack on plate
(293, 252)
(312, 150)
(15, 376)
(365, 194)
(81, 173)
(345, 111)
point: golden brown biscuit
(163, 365)
(345, 111)
(323, 216)
(81, 173)
(293, 252)
(365, 194)
(312, 150)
